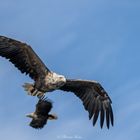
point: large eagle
(95, 99)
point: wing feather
(23, 57)
(102, 117)
(95, 99)
(43, 107)
(96, 114)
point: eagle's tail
(31, 90)
(52, 117)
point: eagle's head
(54, 81)
(60, 80)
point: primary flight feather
(95, 99)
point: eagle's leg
(31, 90)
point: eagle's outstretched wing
(43, 107)
(94, 97)
(23, 57)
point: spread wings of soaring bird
(41, 114)
(95, 99)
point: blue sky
(87, 39)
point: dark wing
(94, 97)
(43, 107)
(23, 57)
(38, 123)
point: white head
(58, 80)
(54, 81)
(32, 115)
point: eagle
(93, 96)
(41, 114)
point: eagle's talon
(41, 95)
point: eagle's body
(95, 99)
(41, 114)
(52, 81)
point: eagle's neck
(54, 81)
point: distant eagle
(95, 99)
(41, 114)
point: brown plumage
(23, 57)
(41, 114)
(95, 99)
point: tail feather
(52, 117)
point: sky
(86, 39)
